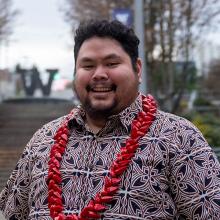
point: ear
(139, 69)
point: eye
(112, 64)
(88, 66)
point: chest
(144, 186)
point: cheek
(126, 81)
(80, 81)
(79, 85)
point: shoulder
(177, 130)
(49, 128)
(173, 123)
(45, 134)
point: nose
(100, 73)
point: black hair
(112, 29)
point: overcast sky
(40, 37)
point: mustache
(90, 87)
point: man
(116, 156)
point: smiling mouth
(101, 88)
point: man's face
(105, 81)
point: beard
(99, 112)
(96, 112)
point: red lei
(139, 128)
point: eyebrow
(108, 57)
(85, 59)
(112, 56)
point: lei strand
(139, 127)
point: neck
(95, 124)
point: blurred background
(180, 49)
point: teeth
(101, 89)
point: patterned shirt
(173, 175)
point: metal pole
(139, 29)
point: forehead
(100, 47)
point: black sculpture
(31, 80)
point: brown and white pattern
(174, 172)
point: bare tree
(171, 29)
(79, 10)
(7, 15)
(211, 81)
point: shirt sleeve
(195, 176)
(14, 197)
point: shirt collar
(77, 118)
(129, 114)
(125, 117)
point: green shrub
(209, 125)
(202, 102)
